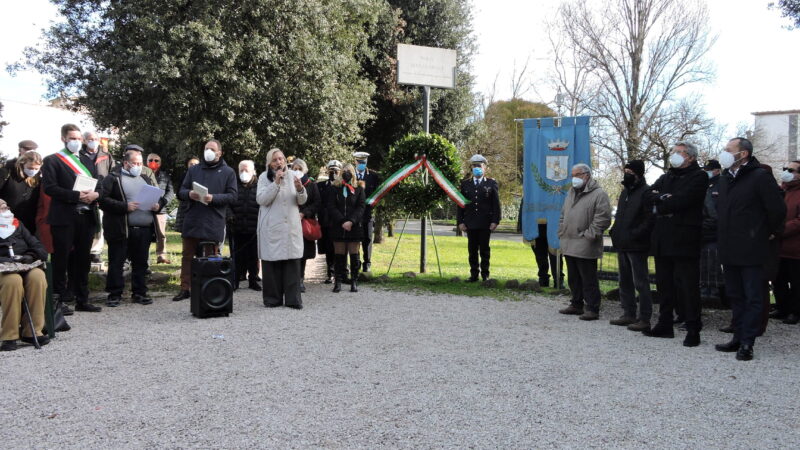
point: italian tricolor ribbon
(73, 163)
(404, 173)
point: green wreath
(412, 196)
(549, 188)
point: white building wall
(771, 141)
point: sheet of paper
(84, 183)
(147, 196)
(201, 190)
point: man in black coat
(244, 227)
(479, 217)
(205, 217)
(73, 217)
(164, 180)
(677, 197)
(325, 245)
(371, 181)
(92, 154)
(633, 225)
(751, 214)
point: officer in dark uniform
(371, 181)
(325, 245)
(479, 217)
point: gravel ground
(392, 369)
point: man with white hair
(244, 226)
(479, 217)
(586, 214)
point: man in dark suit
(479, 217)
(751, 213)
(325, 245)
(72, 217)
(371, 181)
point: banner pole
(426, 116)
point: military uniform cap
(334, 163)
(361, 155)
(478, 159)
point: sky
(754, 55)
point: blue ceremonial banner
(549, 154)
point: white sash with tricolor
(73, 163)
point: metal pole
(398, 245)
(436, 248)
(426, 116)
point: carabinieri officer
(479, 217)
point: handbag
(59, 322)
(311, 229)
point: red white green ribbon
(393, 181)
(73, 163)
(403, 173)
(448, 187)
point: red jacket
(790, 239)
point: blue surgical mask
(477, 172)
(710, 173)
(361, 167)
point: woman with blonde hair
(280, 235)
(345, 209)
(20, 185)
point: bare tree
(626, 62)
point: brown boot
(589, 315)
(639, 326)
(623, 321)
(571, 310)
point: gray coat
(584, 217)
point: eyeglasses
(789, 169)
(579, 174)
(154, 160)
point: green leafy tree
(254, 74)
(3, 123)
(789, 9)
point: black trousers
(745, 290)
(583, 283)
(678, 285)
(137, 248)
(634, 274)
(75, 238)
(366, 242)
(478, 244)
(787, 286)
(245, 256)
(281, 282)
(325, 246)
(545, 261)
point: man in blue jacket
(204, 219)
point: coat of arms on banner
(557, 168)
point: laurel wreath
(549, 188)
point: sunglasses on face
(154, 160)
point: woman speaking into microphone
(280, 234)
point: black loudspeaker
(212, 290)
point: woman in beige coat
(586, 214)
(280, 234)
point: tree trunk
(377, 236)
(390, 229)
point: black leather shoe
(792, 319)
(328, 281)
(745, 352)
(66, 310)
(141, 299)
(255, 286)
(777, 315)
(337, 286)
(727, 329)
(471, 280)
(87, 307)
(43, 339)
(113, 301)
(660, 331)
(727, 347)
(302, 287)
(182, 295)
(8, 346)
(692, 339)
(295, 306)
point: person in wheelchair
(19, 252)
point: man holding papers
(72, 216)
(209, 188)
(130, 203)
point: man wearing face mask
(244, 227)
(72, 216)
(371, 180)
(787, 284)
(479, 217)
(585, 215)
(204, 219)
(129, 228)
(326, 189)
(92, 154)
(677, 202)
(164, 180)
(633, 224)
(751, 214)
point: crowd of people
(726, 231)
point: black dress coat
(634, 221)
(679, 216)
(342, 209)
(57, 182)
(484, 206)
(750, 210)
(207, 222)
(244, 220)
(21, 198)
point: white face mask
(577, 182)
(6, 228)
(245, 177)
(93, 145)
(676, 160)
(726, 159)
(73, 146)
(30, 172)
(787, 177)
(298, 174)
(7, 216)
(209, 155)
(135, 171)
